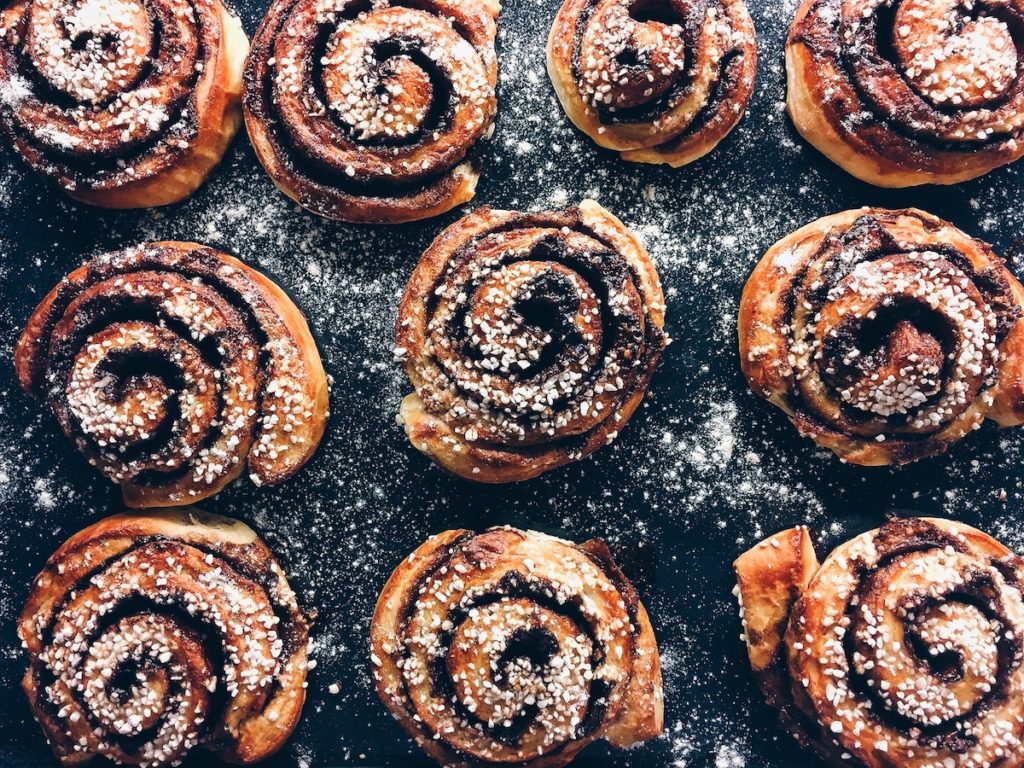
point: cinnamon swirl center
(390, 95)
(932, 656)
(889, 339)
(965, 61)
(541, 329)
(91, 51)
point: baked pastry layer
(912, 92)
(530, 339)
(150, 635)
(173, 367)
(886, 336)
(373, 112)
(122, 103)
(901, 650)
(659, 82)
(515, 648)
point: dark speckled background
(701, 472)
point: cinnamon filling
(157, 648)
(635, 62)
(100, 92)
(158, 364)
(538, 333)
(381, 100)
(892, 339)
(913, 76)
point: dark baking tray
(701, 472)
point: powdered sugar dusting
(676, 512)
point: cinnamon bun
(122, 103)
(886, 336)
(906, 92)
(373, 112)
(658, 81)
(512, 647)
(173, 367)
(530, 339)
(149, 636)
(901, 650)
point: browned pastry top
(103, 94)
(173, 367)
(660, 81)
(530, 338)
(902, 650)
(150, 635)
(514, 648)
(885, 335)
(929, 86)
(373, 112)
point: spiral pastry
(902, 650)
(907, 92)
(123, 103)
(373, 112)
(886, 336)
(658, 81)
(172, 366)
(149, 635)
(530, 338)
(512, 647)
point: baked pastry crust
(900, 650)
(658, 82)
(530, 338)
(150, 635)
(771, 577)
(850, 326)
(943, 104)
(138, 116)
(173, 367)
(319, 124)
(532, 630)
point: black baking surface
(701, 472)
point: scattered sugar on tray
(366, 495)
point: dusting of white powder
(702, 471)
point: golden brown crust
(770, 578)
(340, 150)
(945, 104)
(174, 418)
(532, 630)
(664, 83)
(841, 325)
(902, 649)
(156, 600)
(534, 295)
(123, 143)
(1008, 393)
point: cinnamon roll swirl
(907, 92)
(151, 635)
(373, 112)
(530, 339)
(512, 647)
(886, 336)
(172, 367)
(902, 650)
(122, 103)
(658, 81)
